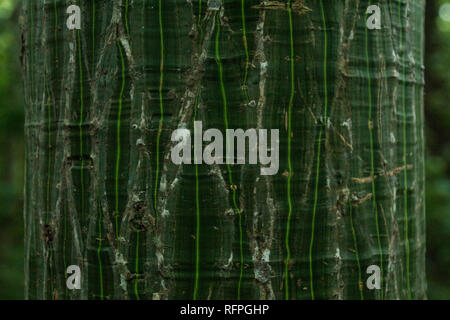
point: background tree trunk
(102, 193)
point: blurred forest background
(437, 111)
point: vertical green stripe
(355, 244)
(230, 177)
(372, 161)
(93, 32)
(48, 197)
(49, 146)
(64, 247)
(126, 18)
(319, 145)
(405, 164)
(80, 124)
(199, 22)
(55, 9)
(197, 211)
(136, 267)
(161, 105)
(99, 248)
(247, 61)
(118, 142)
(291, 103)
(32, 49)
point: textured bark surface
(102, 193)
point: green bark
(102, 193)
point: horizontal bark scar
(357, 202)
(387, 173)
(297, 6)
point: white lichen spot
(351, 36)
(411, 58)
(156, 296)
(263, 66)
(266, 255)
(255, 253)
(165, 213)
(159, 258)
(393, 140)
(260, 26)
(394, 56)
(396, 74)
(120, 259)
(123, 282)
(72, 55)
(347, 123)
(191, 95)
(174, 183)
(135, 198)
(163, 184)
(230, 260)
(338, 254)
(140, 142)
(214, 5)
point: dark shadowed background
(437, 111)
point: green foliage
(12, 155)
(438, 159)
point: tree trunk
(102, 192)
